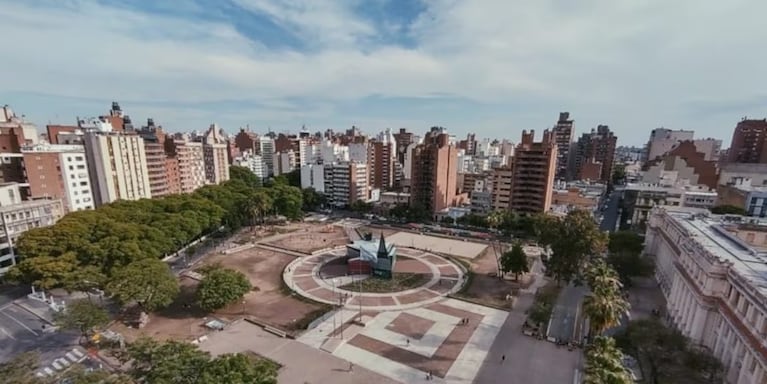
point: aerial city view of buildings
(470, 232)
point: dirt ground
(312, 238)
(182, 320)
(266, 302)
(485, 286)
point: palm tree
(604, 363)
(494, 219)
(605, 306)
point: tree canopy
(605, 305)
(604, 363)
(572, 240)
(86, 248)
(175, 362)
(221, 287)
(666, 355)
(625, 256)
(148, 282)
(82, 316)
(515, 261)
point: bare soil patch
(311, 239)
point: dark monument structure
(367, 257)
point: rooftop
(29, 204)
(714, 233)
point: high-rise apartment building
(345, 183)
(19, 216)
(156, 158)
(190, 159)
(267, 154)
(216, 155)
(563, 134)
(749, 142)
(403, 138)
(382, 159)
(59, 172)
(118, 167)
(532, 173)
(710, 271)
(501, 179)
(434, 172)
(252, 162)
(594, 155)
(245, 141)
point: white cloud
(633, 65)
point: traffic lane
(566, 313)
(21, 331)
(610, 214)
(9, 293)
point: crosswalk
(60, 364)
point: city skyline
(494, 68)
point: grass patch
(398, 282)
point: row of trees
(155, 362)
(85, 249)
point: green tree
(44, 272)
(221, 287)
(80, 375)
(239, 369)
(605, 305)
(288, 200)
(244, 174)
(604, 363)
(515, 261)
(313, 200)
(175, 362)
(258, 205)
(659, 349)
(625, 256)
(728, 210)
(171, 362)
(148, 282)
(573, 241)
(494, 219)
(361, 206)
(82, 316)
(20, 369)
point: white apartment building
(18, 216)
(713, 273)
(191, 165)
(332, 152)
(358, 152)
(59, 172)
(313, 176)
(346, 183)
(252, 162)
(118, 167)
(284, 162)
(216, 156)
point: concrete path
(301, 364)
(528, 360)
(303, 276)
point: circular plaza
(337, 278)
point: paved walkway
(406, 345)
(303, 276)
(301, 364)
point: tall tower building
(190, 162)
(749, 142)
(382, 159)
(154, 147)
(563, 134)
(434, 171)
(216, 156)
(118, 167)
(532, 173)
(594, 155)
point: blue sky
(492, 67)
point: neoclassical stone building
(713, 273)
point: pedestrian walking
(351, 367)
(503, 358)
(407, 341)
(431, 376)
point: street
(566, 317)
